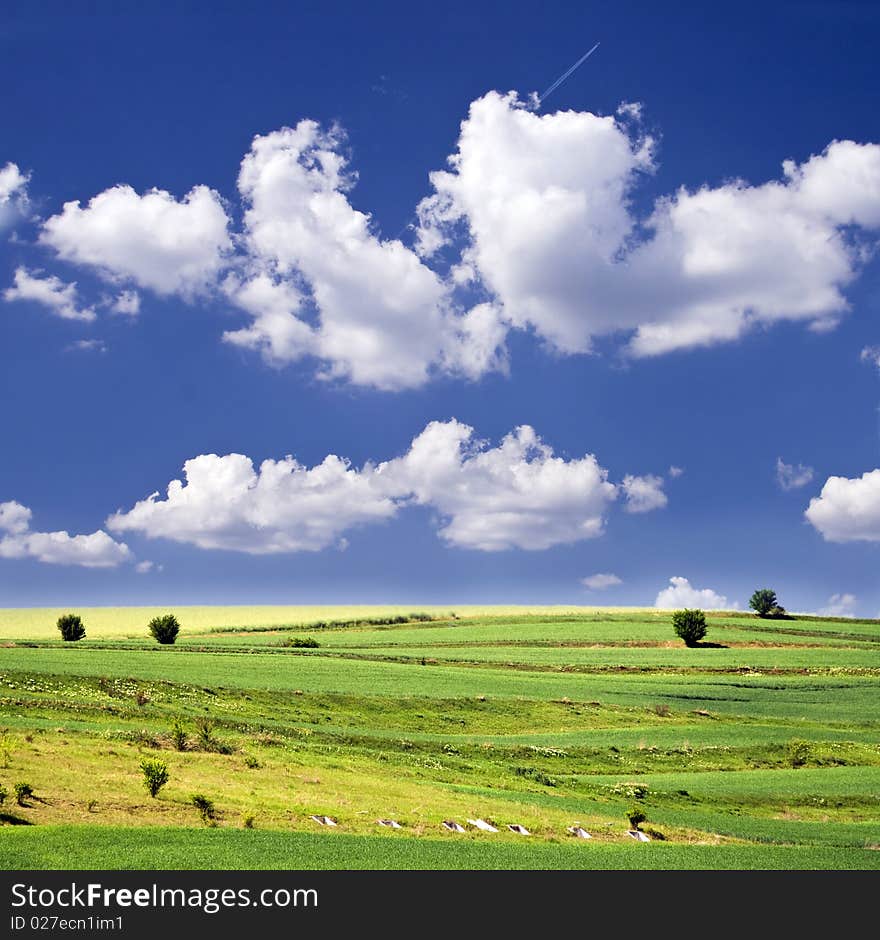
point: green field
(759, 749)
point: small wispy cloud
(792, 476)
(88, 345)
(871, 354)
(597, 582)
(839, 605)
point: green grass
(547, 717)
(181, 849)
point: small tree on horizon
(764, 602)
(71, 627)
(164, 628)
(690, 625)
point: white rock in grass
(482, 824)
(389, 823)
(453, 826)
(516, 827)
(324, 820)
(638, 835)
(580, 833)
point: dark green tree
(71, 627)
(164, 628)
(155, 775)
(763, 601)
(690, 625)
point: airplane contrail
(562, 78)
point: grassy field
(759, 749)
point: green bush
(164, 628)
(636, 817)
(763, 601)
(690, 625)
(205, 739)
(155, 773)
(799, 752)
(3, 794)
(178, 735)
(23, 792)
(206, 808)
(71, 627)
(297, 642)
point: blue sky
(625, 268)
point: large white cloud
(97, 550)
(50, 292)
(224, 502)
(154, 240)
(541, 203)
(515, 495)
(323, 283)
(680, 594)
(848, 510)
(531, 227)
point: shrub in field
(798, 752)
(8, 745)
(164, 628)
(178, 735)
(636, 817)
(206, 740)
(23, 792)
(763, 601)
(248, 822)
(298, 642)
(3, 794)
(70, 626)
(155, 773)
(205, 806)
(690, 625)
(251, 762)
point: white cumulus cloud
(97, 550)
(541, 205)
(324, 284)
(848, 510)
(598, 582)
(680, 594)
(643, 494)
(13, 194)
(154, 240)
(531, 226)
(792, 476)
(225, 502)
(50, 292)
(517, 494)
